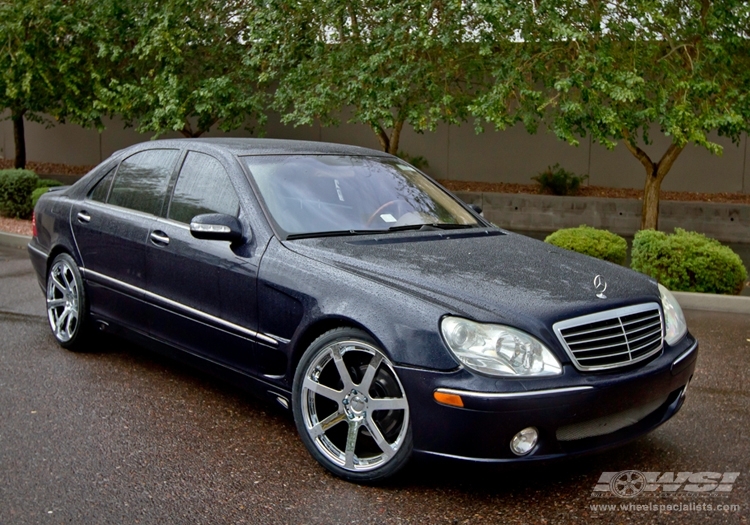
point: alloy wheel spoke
(351, 443)
(388, 403)
(323, 426)
(338, 360)
(59, 285)
(377, 435)
(325, 391)
(72, 318)
(372, 369)
(54, 303)
(61, 320)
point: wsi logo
(630, 483)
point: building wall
(453, 152)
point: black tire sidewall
(391, 467)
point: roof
(250, 146)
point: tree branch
(638, 153)
(666, 161)
(382, 136)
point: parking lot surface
(122, 435)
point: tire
(67, 307)
(350, 407)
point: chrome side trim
(37, 250)
(686, 353)
(511, 395)
(178, 306)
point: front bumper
(569, 405)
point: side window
(202, 187)
(101, 190)
(141, 180)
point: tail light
(33, 224)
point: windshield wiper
(406, 227)
(429, 226)
(332, 233)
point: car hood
(488, 274)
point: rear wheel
(66, 303)
(350, 407)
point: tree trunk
(20, 138)
(655, 173)
(389, 144)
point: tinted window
(202, 187)
(141, 180)
(101, 190)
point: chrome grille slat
(612, 338)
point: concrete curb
(688, 300)
(13, 240)
(713, 303)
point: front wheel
(66, 303)
(350, 407)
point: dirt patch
(48, 168)
(15, 226)
(598, 191)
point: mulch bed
(15, 226)
(48, 168)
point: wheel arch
(319, 327)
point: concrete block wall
(547, 213)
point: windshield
(308, 194)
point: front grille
(613, 338)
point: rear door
(111, 226)
(206, 289)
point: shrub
(36, 194)
(16, 187)
(48, 183)
(601, 244)
(558, 181)
(688, 262)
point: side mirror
(476, 208)
(216, 227)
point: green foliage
(46, 66)
(182, 65)
(16, 187)
(558, 181)
(48, 183)
(601, 244)
(41, 190)
(688, 262)
(618, 71)
(378, 63)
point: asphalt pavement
(124, 436)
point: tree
(390, 63)
(45, 64)
(180, 65)
(617, 70)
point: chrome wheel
(352, 409)
(63, 300)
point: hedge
(16, 187)
(688, 262)
(601, 244)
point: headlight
(673, 317)
(498, 350)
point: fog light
(524, 441)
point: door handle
(83, 216)
(159, 238)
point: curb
(14, 240)
(713, 303)
(688, 300)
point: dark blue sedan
(347, 286)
